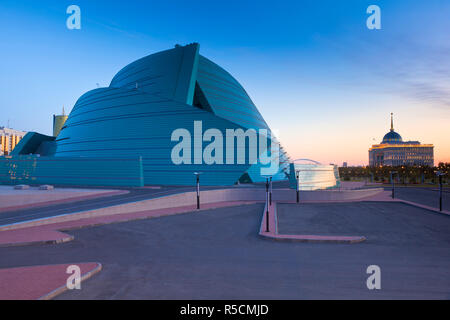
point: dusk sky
(317, 74)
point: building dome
(392, 136)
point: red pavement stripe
(29, 236)
(40, 282)
(34, 235)
(316, 238)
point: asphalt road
(217, 254)
(135, 194)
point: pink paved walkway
(40, 282)
(50, 233)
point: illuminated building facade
(393, 151)
(9, 138)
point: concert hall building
(123, 134)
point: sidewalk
(40, 282)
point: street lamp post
(440, 193)
(267, 204)
(197, 175)
(297, 186)
(440, 174)
(393, 183)
(270, 191)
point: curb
(314, 239)
(421, 206)
(28, 243)
(64, 288)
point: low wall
(239, 194)
(81, 171)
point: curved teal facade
(150, 98)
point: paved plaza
(218, 254)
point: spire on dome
(392, 121)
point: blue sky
(316, 73)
